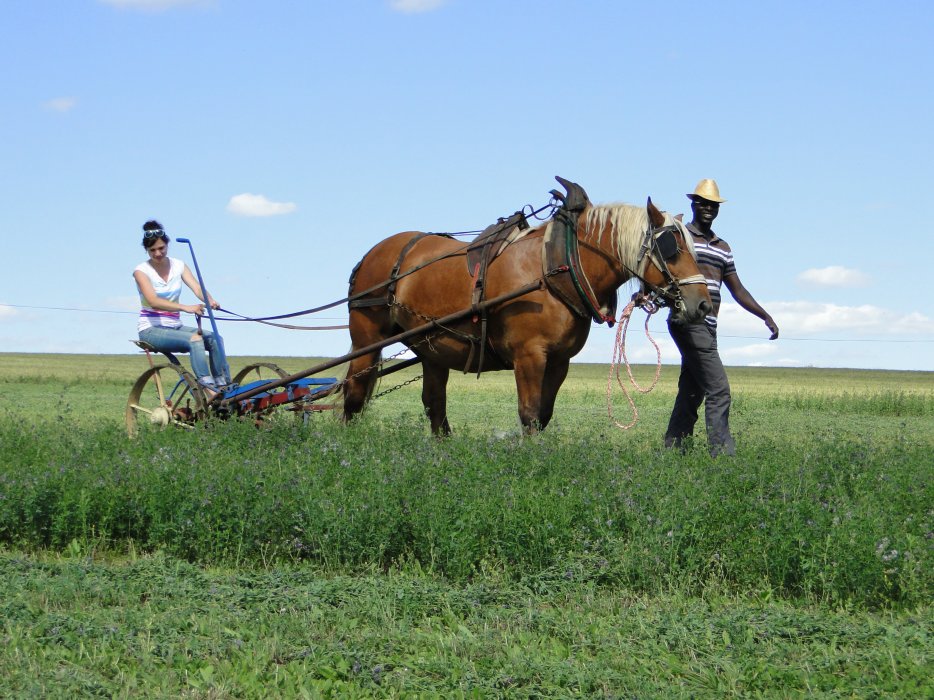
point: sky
(285, 138)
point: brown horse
(411, 279)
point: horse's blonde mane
(626, 225)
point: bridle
(661, 245)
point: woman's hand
(196, 309)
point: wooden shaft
(400, 337)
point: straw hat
(707, 189)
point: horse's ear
(655, 216)
(679, 217)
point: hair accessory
(154, 233)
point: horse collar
(561, 254)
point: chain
(431, 319)
(395, 302)
(405, 383)
(380, 364)
(397, 386)
(426, 339)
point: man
(702, 375)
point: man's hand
(772, 327)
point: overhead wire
(337, 318)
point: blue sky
(286, 138)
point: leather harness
(560, 254)
(480, 253)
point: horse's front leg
(435, 396)
(530, 375)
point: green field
(317, 560)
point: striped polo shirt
(715, 261)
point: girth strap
(480, 253)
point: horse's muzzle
(687, 312)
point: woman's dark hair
(152, 232)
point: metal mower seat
(147, 348)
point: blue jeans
(702, 380)
(179, 340)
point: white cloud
(414, 6)
(912, 323)
(756, 353)
(812, 335)
(807, 319)
(61, 104)
(782, 362)
(6, 312)
(155, 5)
(834, 276)
(247, 204)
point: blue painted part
(306, 382)
(222, 360)
(319, 381)
(181, 382)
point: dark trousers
(702, 379)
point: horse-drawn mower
(515, 297)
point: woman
(159, 281)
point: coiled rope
(619, 356)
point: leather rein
(667, 295)
(670, 294)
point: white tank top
(170, 289)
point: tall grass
(836, 517)
(376, 561)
